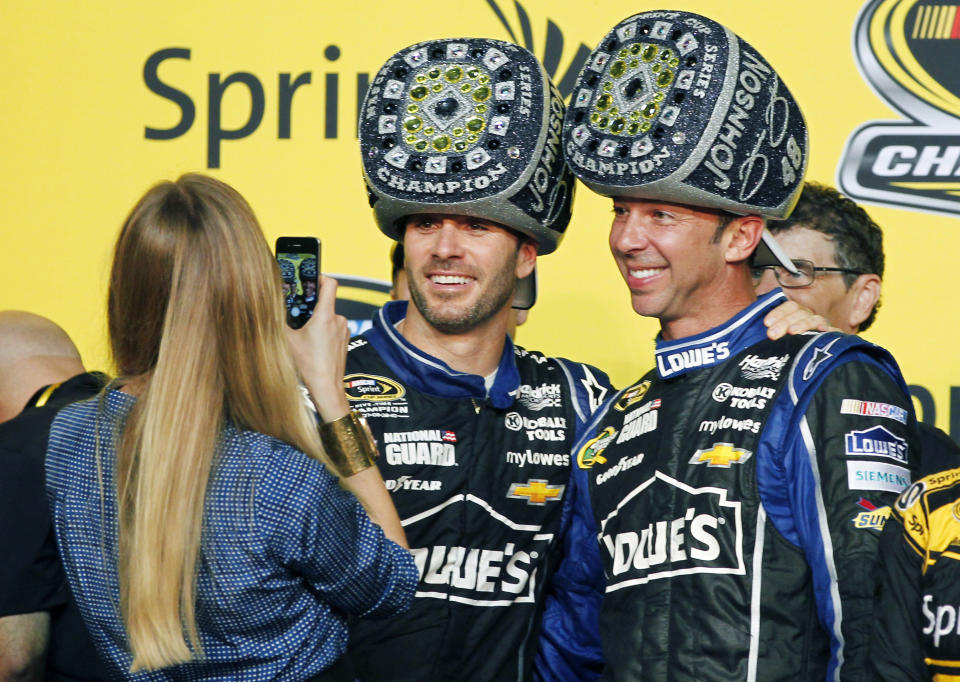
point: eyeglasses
(804, 277)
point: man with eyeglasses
(838, 252)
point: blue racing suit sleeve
(569, 646)
(841, 442)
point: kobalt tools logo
(482, 576)
(907, 50)
(705, 535)
(541, 428)
(744, 398)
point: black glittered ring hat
(672, 106)
(468, 126)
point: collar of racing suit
(676, 358)
(431, 375)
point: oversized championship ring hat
(672, 106)
(468, 126)
(308, 267)
(288, 271)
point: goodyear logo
(589, 454)
(632, 395)
(908, 51)
(721, 455)
(371, 387)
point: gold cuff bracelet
(349, 444)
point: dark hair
(396, 261)
(857, 240)
(724, 218)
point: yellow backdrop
(79, 87)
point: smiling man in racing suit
(736, 492)
(460, 147)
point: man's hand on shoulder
(793, 318)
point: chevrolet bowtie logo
(535, 491)
(721, 455)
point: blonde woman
(202, 528)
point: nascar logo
(906, 50)
(936, 22)
(371, 387)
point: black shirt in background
(31, 577)
(938, 452)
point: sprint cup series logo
(908, 50)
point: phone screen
(299, 260)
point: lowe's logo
(876, 442)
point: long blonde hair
(195, 312)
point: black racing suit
(917, 630)
(727, 491)
(479, 477)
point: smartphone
(299, 261)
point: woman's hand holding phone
(320, 351)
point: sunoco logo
(907, 50)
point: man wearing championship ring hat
(724, 489)
(460, 143)
(308, 280)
